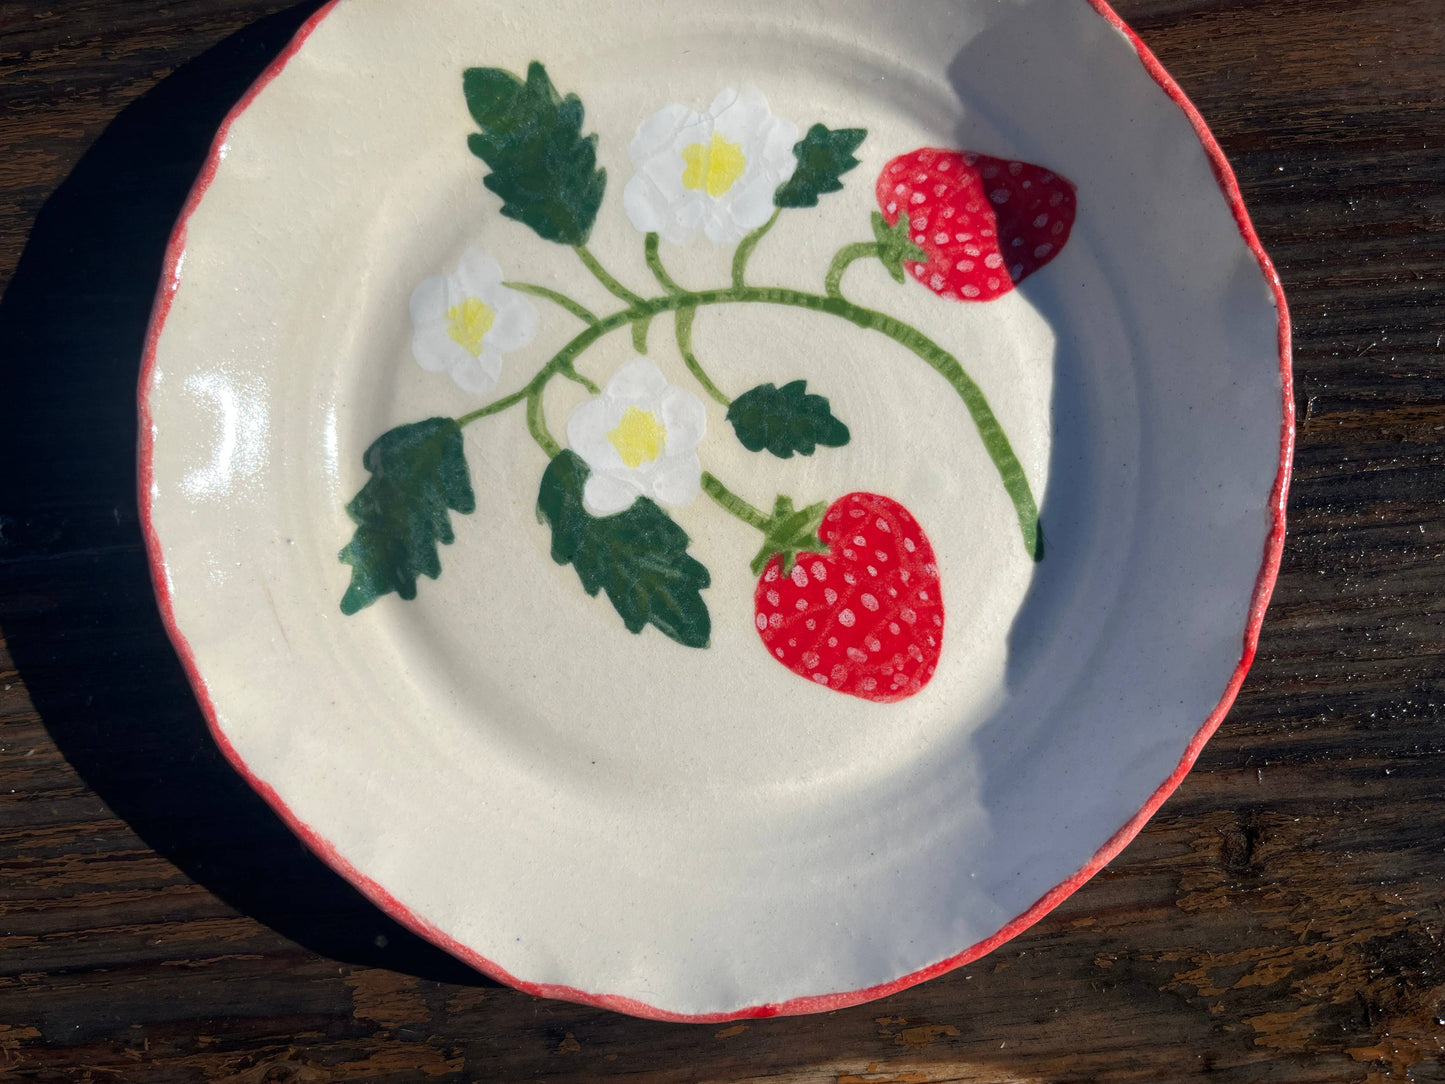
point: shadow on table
(75, 596)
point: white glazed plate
(569, 327)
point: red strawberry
(985, 223)
(866, 617)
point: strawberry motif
(985, 223)
(866, 617)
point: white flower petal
(664, 171)
(428, 354)
(776, 153)
(608, 494)
(658, 132)
(753, 204)
(729, 97)
(587, 429)
(639, 381)
(721, 229)
(429, 302)
(435, 351)
(646, 207)
(679, 480)
(673, 476)
(692, 212)
(479, 374)
(477, 274)
(655, 198)
(516, 321)
(685, 419)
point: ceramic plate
(715, 510)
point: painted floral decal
(849, 593)
(639, 438)
(713, 172)
(465, 322)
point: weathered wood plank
(1280, 920)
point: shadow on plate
(75, 596)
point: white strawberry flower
(639, 438)
(464, 322)
(713, 172)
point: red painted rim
(1263, 586)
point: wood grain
(1279, 920)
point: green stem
(731, 503)
(745, 249)
(654, 262)
(619, 291)
(615, 288)
(493, 408)
(684, 345)
(995, 441)
(577, 378)
(537, 426)
(859, 250)
(586, 315)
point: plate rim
(1259, 599)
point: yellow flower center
(714, 166)
(469, 322)
(638, 438)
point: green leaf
(639, 556)
(785, 420)
(418, 473)
(543, 168)
(789, 533)
(823, 155)
(895, 246)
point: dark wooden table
(1279, 920)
